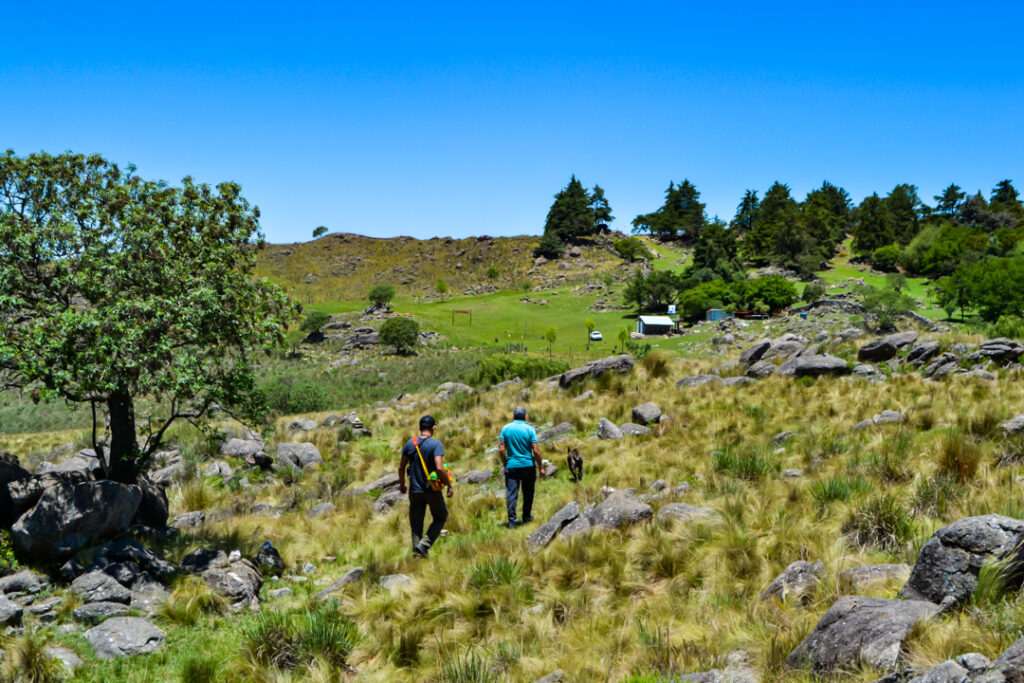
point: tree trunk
(123, 449)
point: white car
(595, 336)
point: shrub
(198, 669)
(400, 333)
(314, 321)
(550, 247)
(934, 496)
(493, 272)
(886, 258)
(469, 668)
(881, 522)
(501, 367)
(656, 364)
(287, 640)
(320, 231)
(1011, 326)
(286, 397)
(825, 491)
(959, 457)
(8, 562)
(630, 248)
(381, 294)
(813, 292)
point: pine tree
(600, 209)
(717, 251)
(776, 209)
(682, 214)
(872, 226)
(746, 213)
(570, 215)
(950, 199)
(902, 204)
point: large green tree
(746, 213)
(601, 209)
(681, 216)
(717, 253)
(571, 214)
(777, 211)
(872, 226)
(114, 288)
(904, 207)
(947, 202)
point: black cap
(427, 422)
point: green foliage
(767, 293)
(576, 213)
(716, 254)
(886, 258)
(400, 332)
(288, 640)
(116, 287)
(493, 273)
(494, 571)
(190, 600)
(653, 292)
(630, 248)
(441, 287)
(995, 286)
(656, 364)
(501, 367)
(694, 303)
(200, 669)
(471, 667)
(550, 247)
(287, 397)
(750, 466)
(314, 321)
(27, 661)
(872, 227)
(885, 304)
(320, 231)
(8, 562)
(682, 214)
(881, 522)
(813, 292)
(381, 294)
(837, 489)
(959, 457)
(1011, 326)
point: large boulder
(98, 586)
(948, 565)
(646, 413)
(1009, 665)
(547, 531)
(877, 350)
(858, 631)
(1002, 351)
(10, 612)
(153, 509)
(862, 576)
(243, 448)
(797, 580)
(620, 364)
(475, 477)
(111, 556)
(10, 471)
(620, 508)
(388, 481)
(755, 351)
(124, 637)
(923, 352)
(239, 581)
(25, 581)
(818, 366)
(683, 512)
(606, 429)
(301, 455)
(24, 493)
(783, 349)
(70, 516)
(558, 430)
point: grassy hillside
(343, 266)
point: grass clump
(959, 457)
(751, 467)
(27, 661)
(190, 600)
(471, 667)
(287, 640)
(494, 571)
(199, 669)
(501, 367)
(836, 489)
(882, 522)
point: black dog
(575, 461)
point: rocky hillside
(343, 266)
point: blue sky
(464, 120)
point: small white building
(654, 324)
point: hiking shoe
(420, 551)
(527, 520)
(512, 525)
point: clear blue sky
(466, 119)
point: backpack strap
(423, 462)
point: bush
(813, 292)
(493, 272)
(286, 397)
(197, 669)
(550, 247)
(959, 457)
(8, 562)
(630, 248)
(886, 258)
(656, 364)
(501, 367)
(770, 292)
(314, 321)
(401, 333)
(882, 522)
(381, 294)
(287, 640)
(1011, 326)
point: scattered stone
(304, 456)
(697, 380)
(303, 425)
(189, 520)
(866, 371)
(923, 352)
(760, 370)
(858, 631)
(69, 659)
(888, 417)
(1013, 425)
(243, 448)
(10, 612)
(388, 481)
(864, 575)
(98, 586)
(25, 581)
(350, 577)
(942, 366)
(782, 437)
(620, 508)
(740, 381)
(387, 501)
(948, 565)
(877, 351)
(556, 676)
(475, 477)
(239, 581)
(589, 393)
(558, 430)
(863, 424)
(792, 473)
(547, 531)
(797, 580)
(620, 364)
(123, 637)
(279, 593)
(98, 611)
(320, 510)
(646, 413)
(783, 349)
(219, 468)
(630, 429)
(395, 581)
(44, 606)
(755, 351)
(983, 374)
(606, 429)
(683, 512)
(819, 366)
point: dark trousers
(514, 478)
(418, 504)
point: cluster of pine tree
(575, 213)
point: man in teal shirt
(520, 458)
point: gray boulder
(68, 517)
(797, 580)
(783, 349)
(697, 380)
(69, 659)
(606, 429)
(961, 669)
(889, 417)
(387, 501)
(740, 381)
(124, 637)
(98, 586)
(948, 565)
(476, 477)
(153, 508)
(10, 612)
(238, 581)
(243, 448)
(1013, 426)
(944, 365)
(189, 520)
(646, 413)
(219, 468)
(1009, 665)
(755, 351)
(10, 471)
(858, 631)
(923, 352)
(579, 525)
(630, 429)
(395, 581)
(303, 425)
(682, 512)
(760, 370)
(558, 430)
(547, 531)
(320, 510)
(620, 508)
(819, 366)
(1001, 351)
(115, 556)
(620, 364)
(388, 481)
(877, 351)
(25, 581)
(556, 676)
(351, 576)
(24, 493)
(304, 456)
(98, 611)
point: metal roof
(656, 320)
